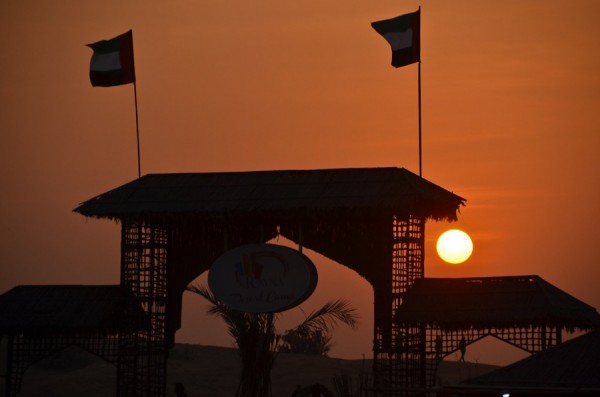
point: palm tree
(258, 342)
(312, 335)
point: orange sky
(511, 99)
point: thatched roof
(276, 193)
(51, 309)
(574, 364)
(494, 301)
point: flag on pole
(404, 35)
(112, 61)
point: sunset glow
(510, 92)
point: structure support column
(142, 364)
(399, 350)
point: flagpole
(420, 144)
(403, 33)
(105, 72)
(137, 129)
(137, 123)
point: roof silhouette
(47, 309)
(289, 193)
(572, 364)
(483, 302)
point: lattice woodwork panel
(407, 257)
(399, 351)
(441, 343)
(143, 354)
(26, 350)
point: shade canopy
(484, 302)
(292, 193)
(570, 365)
(54, 309)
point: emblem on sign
(262, 278)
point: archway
(491, 351)
(335, 281)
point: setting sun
(454, 246)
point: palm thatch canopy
(277, 193)
(59, 309)
(574, 364)
(485, 302)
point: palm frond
(329, 314)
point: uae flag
(112, 61)
(404, 35)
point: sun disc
(454, 246)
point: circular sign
(262, 278)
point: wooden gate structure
(371, 220)
(174, 226)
